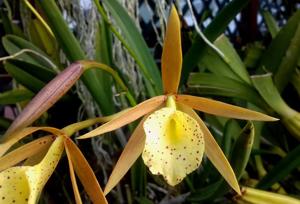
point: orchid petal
(24, 184)
(222, 109)
(127, 117)
(17, 136)
(174, 144)
(171, 61)
(130, 154)
(213, 151)
(85, 173)
(73, 179)
(25, 151)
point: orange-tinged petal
(73, 179)
(85, 173)
(171, 60)
(130, 154)
(24, 184)
(222, 109)
(214, 152)
(15, 137)
(25, 151)
(174, 144)
(127, 117)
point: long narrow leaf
(27, 80)
(271, 23)
(289, 62)
(14, 44)
(214, 29)
(272, 57)
(136, 42)
(104, 55)
(281, 170)
(15, 96)
(211, 84)
(71, 47)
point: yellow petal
(127, 117)
(17, 136)
(222, 109)
(25, 151)
(73, 179)
(213, 151)
(14, 186)
(174, 144)
(130, 154)
(85, 173)
(171, 56)
(24, 184)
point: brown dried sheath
(47, 97)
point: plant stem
(91, 64)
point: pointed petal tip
(237, 189)
(264, 117)
(106, 191)
(171, 60)
(85, 136)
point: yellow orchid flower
(171, 137)
(24, 184)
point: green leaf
(230, 65)
(14, 44)
(137, 44)
(204, 193)
(30, 82)
(271, 23)
(211, 84)
(15, 96)
(7, 24)
(40, 36)
(289, 62)
(4, 123)
(217, 65)
(139, 177)
(40, 72)
(71, 47)
(273, 56)
(281, 170)
(231, 130)
(234, 61)
(104, 55)
(266, 88)
(240, 156)
(214, 30)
